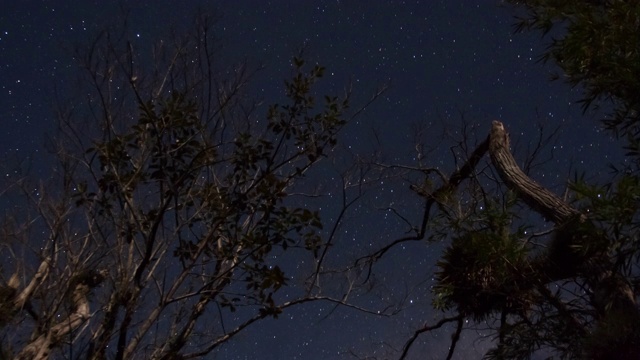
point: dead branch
(449, 186)
(537, 197)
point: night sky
(444, 62)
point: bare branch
(458, 319)
(449, 186)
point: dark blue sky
(443, 60)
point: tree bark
(40, 347)
(537, 197)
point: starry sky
(444, 62)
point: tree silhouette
(571, 291)
(173, 198)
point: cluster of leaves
(167, 163)
(483, 270)
(598, 48)
(216, 198)
(521, 337)
(166, 147)
(614, 208)
(315, 133)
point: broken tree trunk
(537, 197)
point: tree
(571, 291)
(175, 193)
(575, 295)
(174, 200)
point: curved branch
(40, 347)
(261, 315)
(533, 194)
(458, 318)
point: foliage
(597, 46)
(178, 207)
(614, 207)
(478, 272)
(570, 291)
(556, 291)
(576, 296)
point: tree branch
(432, 198)
(458, 318)
(537, 197)
(40, 347)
